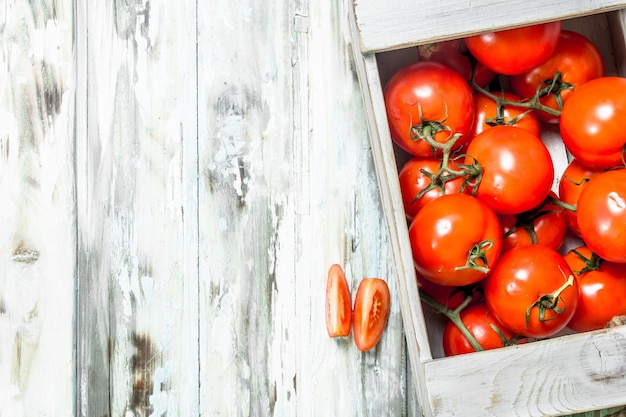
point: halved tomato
(371, 310)
(338, 303)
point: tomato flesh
(371, 310)
(338, 303)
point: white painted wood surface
(177, 178)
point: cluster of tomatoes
(487, 232)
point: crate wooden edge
(403, 23)
(571, 374)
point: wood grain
(136, 193)
(36, 183)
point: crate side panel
(561, 376)
(392, 24)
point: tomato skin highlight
(602, 291)
(575, 57)
(517, 169)
(478, 321)
(428, 91)
(444, 232)
(601, 215)
(592, 122)
(517, 50)
(338, 303)
(371, 310)
(520, 278)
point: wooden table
(177, 178)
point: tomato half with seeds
(338, 303)
(575, 58)
(517, 169)
(573, 181)
(418, 175)
(487, 331)
(428, 101)
(602, 289)
(593, 122)
(517, 50)
(371, 310)
(601, 215)
(532, 291)
(455, 240)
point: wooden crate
(572, 373)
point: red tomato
(480, 323)
(428, 100)
(575, 57)
(454, 54)
(544, 225)
(532, 291)
(574, 179)
(517, 169)
(593, 122)
(371, 310)
(416, 175)
(601, 215)
(602, 289)
(338, 303)
(455, 240)
(487, 115)
(514, 51)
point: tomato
(487, 115)
(601, 215)
(514, 51)
(593, 122)
(416, 175)
(480, 324)
(338, 303)
(454, 54)
(576, 58)
(449, 296)
(602, 289)
(517, 169)
(532, 291)
(574, 179)
(428, 100)
(455, 240)
(544, 225)
(371, 310)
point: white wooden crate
(561, 376)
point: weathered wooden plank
(395, 24)
(136, 194)
(535, 379)
(36, 183)
(287, 188)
